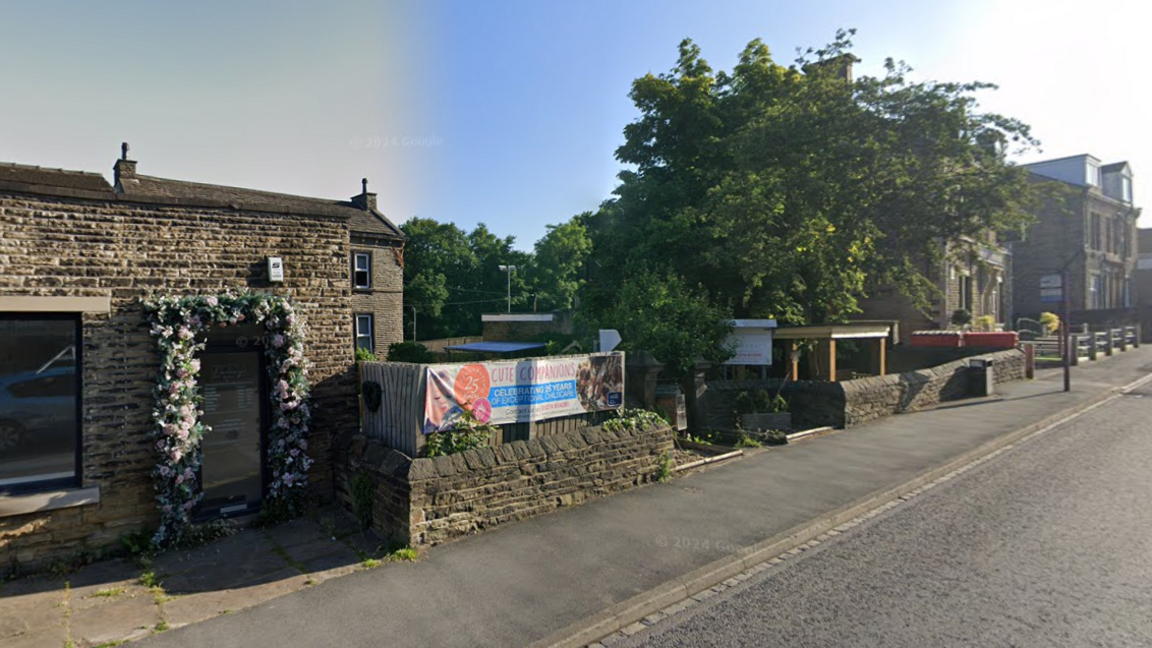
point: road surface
(1049, 544)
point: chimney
(365, 201)
(840, 66)
(124, 169)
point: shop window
(39, 401)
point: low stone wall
(867, 399)
(427, 501)
(852, 402)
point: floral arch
(179, 325)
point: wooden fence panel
(397, 422)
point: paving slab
(30, 604)
(131, 617)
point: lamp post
(509, 269)
(413, 323)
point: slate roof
(189, 193)
(35, 176)
(138, 188)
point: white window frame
(366, 269)
(364, 321)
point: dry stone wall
(852, 402)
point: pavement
(564, 579)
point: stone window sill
(48, 500)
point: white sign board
(1051, 288)
(753, 347)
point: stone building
(972, 276)
(78, 364)
(1086, 227)
(377, 276)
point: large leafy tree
(557, 271)
(787, 191)
(452, 276)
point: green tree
(658, 312)
(557, 270)
(452, 276)
(786, 191)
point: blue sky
(506, 113)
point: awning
(496, 347)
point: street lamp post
(509, 269)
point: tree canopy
(771, 190)
(787, 191)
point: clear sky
(506, 113)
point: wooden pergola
(825, 337)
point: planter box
(778, 421)
(991, 340)
(946, 339)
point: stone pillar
(1108, 346)
(1074, 350)
(794, 361)
(1123, 339)
(641, 371)
(696, 395)
(1136, 339)
(878, 357)
(1093, 348)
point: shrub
(633, 419)
(469, 433)
(984, 323)
(410, 352)
(776, 437)
(364, 355)
(961, 317)
(1050, 322)
(760, 402)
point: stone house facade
(377, 271)
(78, 363)
(1086, 226)
(973, 276)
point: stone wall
(426, 501)
(852, 402)
(385, 299)
(123, 250)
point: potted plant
(759, 410)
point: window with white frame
(364, 332)
(361, 270)
(39, 401)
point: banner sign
(518, 391)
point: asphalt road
(1049, 544)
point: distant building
(972, 277)
(1089, 231)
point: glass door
(232, 475)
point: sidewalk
(541, 578)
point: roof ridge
(37, 167)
